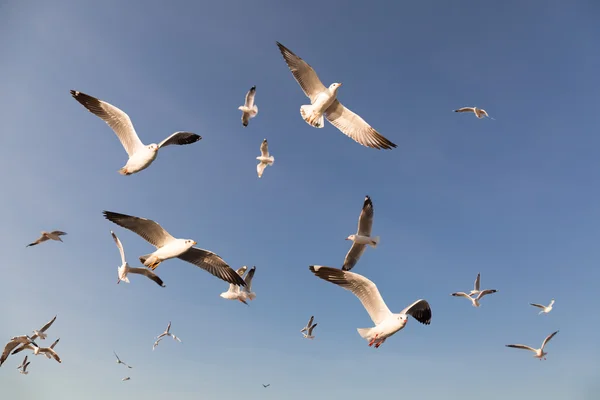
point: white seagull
(54, 235)
(309, 328)
(48, 355)
(119, 360)
(539, 353)
(41, 332)
(39, 350)
(545, 309)
(167, 332)
(23, 366)
(362, 238)
(125, 269)
(233, 293)
(249, 109)
(324, 103)
(125, 379)
(140, 155)
(14, 342)
(479, 112)
(386, 323)
(169, 247)
(475, 300)
(264, 159)
(476, 290)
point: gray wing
(45, 327)
(50, 351)
(58, 233)
(304, 74)
(148, 274)
(119, 246)
(465, 109)
(461, 294)
(521, 346)
(241, 270)
(361, 287)
(212, 263)
(248, 278)
(115, 118)
(23, 347)
(152, 232)
(310, 321)
(264, 148)
(550, 336)
(365, 219)
(250, 97)
(420, 310)
(486, 292)
(356, 128)
(41, 239)
(55, 343)
(537, 305)
(7, 349)
(477, 280)
(245, 118)
(180, 138)
(311, 329)
(353, 255)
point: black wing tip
(253, 88)
(368, 202)
(245, 124)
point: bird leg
(379, 343)
(373, 340)
(154, 265)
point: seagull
(475, 300)
(362, 238)
(125, 379)
(479, 112)
(267, 385)
(324, 103)
(119, 360)
(249, 109)
(169, 247)
(265, 158)
(23, 366)
(48, 356)
(54, 235)
(539, 353)
(167, 332)
(140, 155)
(125, 269)
(386, 323)
(233, 293)
(545, 309)
(476, 290)
(40, 333)
(14, 342)
(246, 292)
(307, 327)
(38, 350)
(308, 334)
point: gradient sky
(515, 199)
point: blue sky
(515, 199)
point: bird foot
(373, 340)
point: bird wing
(48, 324)
(25, 366)
(119, 246)
(54, 344)
(550, 336)
(212, 263)
(7, 349)
(50, 351)
(148, 274)
(311, 329)
(353, 255)
(115, 118)
(521, 346)
(151, 231)
(58, 233)
(353, 126)
(365, 219)
(537, 305)
(249, 102)
(180, 138)
(486, 292)
(465, 109)
(304, 74)
(240, 271)
(461, 294)
(477, 280)
(23, 347)
(420, 310)
(41, 239)
(260, 168)
(264, 148)
(118, 359)
(363, 288)
(248, 278)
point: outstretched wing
(353, 255)
(420, 310)
(250, 97)
(119, 246)
(209, 261)
(151, 231)
(521, 346)
(550, 336)
(180, 138)
(465, 109)
(148, 274)
(304, 74)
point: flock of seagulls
(324, 104)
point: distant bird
(264, 159)
(119, 360)
(545, 309)
(308, 329)
(48, 355)
(476, 290)
(14, 342)
(539, 353)
(386, 323)
(267, 385)
(167, 332)
(324, 103)
(125, 379)
(23, 366)
(140, 155)
(41, 332)
(125, 269)
(169, 247)
(39, 350)
(233, 293)
(249, 109)
(475, 300)
(479, 112)
(362, 238)
(246, 291)
(54, 235)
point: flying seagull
(48, 355)
(249, 109)
(125, 379)
(169, 247)
(362, 238)
(267, 385)
(324, 103)
(39, 350)
(23, 366)
(140, 155)
(310, 321)
(386, 323)
(264, 159)
(475, 300)
(476, 290)
(54, 235)
(14, 342)
(167, 332)
(119, 360)
(539, 353)
(125, 269)
(309, 328)
(233, 293)
(545, 309)
(41, 333)
(479, 112)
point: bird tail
(251, 295)
(365, 333)
(309, 116)
(150, 261)
(254, 110)
(271, 160)
(375, 242)
(123, 171)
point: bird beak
(340, 84)
(195, 243)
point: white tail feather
(308, 115)
(251, 295)
(365, 333)
(375, 242)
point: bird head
(190, 242)
(153, 147)
(334, 87)
(351, 237)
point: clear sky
(515, 199)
